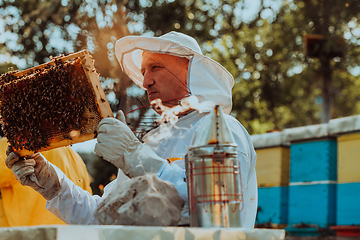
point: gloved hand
(117, 144)
(34, 171)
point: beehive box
(348, 206)
(272, 166)
(348, 158)
(52, 105)
(313, 160)
(348, 189)
(272, 172)
(312, 204)
(312, 187)
(305, 232)
(272, 206)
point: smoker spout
(214, 130)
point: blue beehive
(272, 171)
(348, 203)
(312, 204)
(272, 205)
(312, 190)
(313, 161)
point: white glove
(117, 144)
(34, 171)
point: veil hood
(207, 79)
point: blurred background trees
(263, 44)
(34, 30)
(283, 77)
(295, 62)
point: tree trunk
(326, 89)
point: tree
(277, 85)
(330, 21)
(51, 28)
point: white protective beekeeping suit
(208, 81)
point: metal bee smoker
(213, 176)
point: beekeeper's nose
(148, 80)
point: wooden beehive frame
(100, 98)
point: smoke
(171, 115)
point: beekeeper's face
(165, 77)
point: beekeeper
(21, 205)
(170, 68)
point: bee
(60, 94)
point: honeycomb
(52, 105)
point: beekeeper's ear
(120, 116)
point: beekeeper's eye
(154, 67)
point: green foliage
(277, 85)
(101, 171)
(6, 67)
